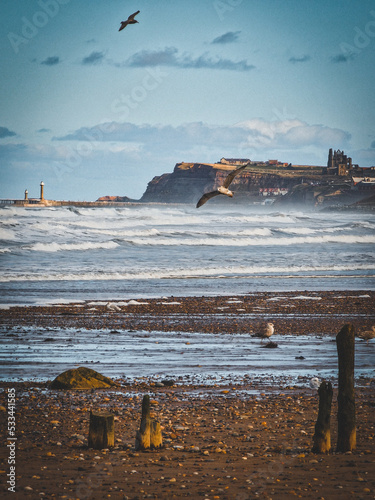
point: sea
(57, 255)
(65, 254)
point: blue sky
(92, 111)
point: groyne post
(346, 431)
(322, 436)
(149, 434)
(101, 430)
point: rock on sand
(82, 378)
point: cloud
(51, 61)
(302, 59)
(94, 58)
(73, 163)
(166, 57)
(255, 134)
(229, 37)
(341, 58)
(43, 130)
(292, 134)
(5, 132)
(182, 137)
(372, 145)
(170, 57)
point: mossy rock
(82, 378)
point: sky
(92, 111)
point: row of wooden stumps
(102, 430)
(346, 432)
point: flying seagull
(130, 20)
(224, 188)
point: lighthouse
(42, 191)
(26, 195)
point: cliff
(189, 181)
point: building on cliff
(234, 161)
(338, 164)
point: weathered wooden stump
(142, 438)
(322, 436)
(101, 430)
(156, 439)
(346, 432)
(149, 434)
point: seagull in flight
(130, 20)
(224, 188)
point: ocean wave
(232, 272)
(57, 247)
(7, 234)
(218, 240)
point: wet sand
(238, 439)
(294, 313)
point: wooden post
(322, 436)
(156, 440)
(101, 431)
(346, 432)
(149, 434)
(142, 438)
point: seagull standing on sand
(113, 307)
(266, 331)
(130, 20)
(367, 334)
(315, 383)
(224, 188)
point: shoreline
(235, 439)
(299, 311)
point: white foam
(305, 297)
(56, 247)
(197, 272)
(255, 241)
(7, 234)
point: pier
(42, 202)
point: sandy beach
(233, 439)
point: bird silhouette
(224, 188)
(130, 20)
